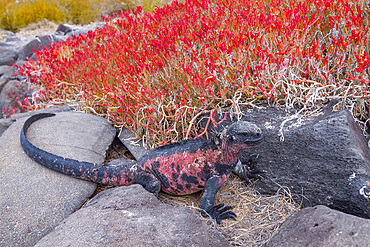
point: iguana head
(244, 134)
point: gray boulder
(136, 147)
(82, 30)
(12, 39)
(4, 124)
(6, 33)
(71, 30)
(322, 226)
(6, 45)
(5, 72)
(322, 160)
(131, 216)
(63, 29)
(12, 91)
(4, 69)
(34, 199)
(8, 56)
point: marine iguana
(179, 168)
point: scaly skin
(178, 169)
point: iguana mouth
(255, 141)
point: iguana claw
(220, 214)
(249, 170)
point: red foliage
(155, 71)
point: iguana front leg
(208, 200)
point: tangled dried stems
(215, 57)
(259, 217)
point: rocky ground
(322, 160)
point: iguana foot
(220, 214)
(249, 170)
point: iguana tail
(108, 175)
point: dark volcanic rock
(131, 216)
(324, 227)
(34, 199)
(322, 160)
